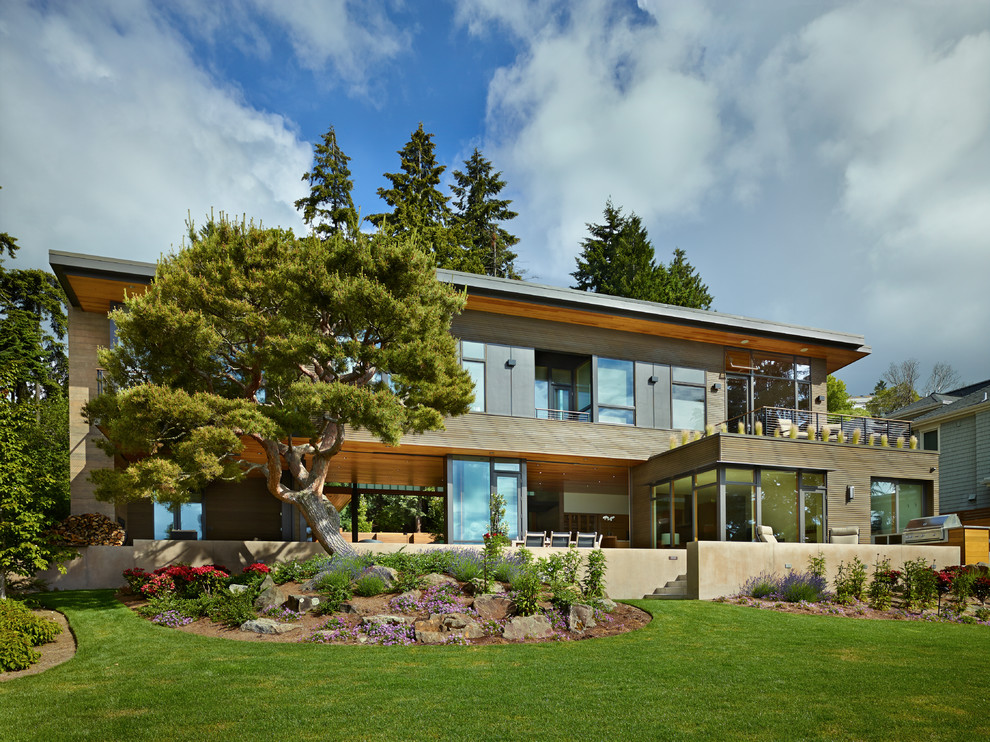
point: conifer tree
(682, 286)
(477, 215)
(329, 208)
(417, 203)
(617, 259)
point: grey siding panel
(982, 460)
(523, 382)
(498, 380)
(957, 463)
(645, 417)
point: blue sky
(823, 164)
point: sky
(824, 164)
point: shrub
(136, 578)
(334, 589)
(594, 579)
(229, 609)
(920, 585)
(981, 589)
(466, 566)
(283, 572)
(816, 565)
(15, 651)
(982, 614)
(882, 585)
(527, 589)
(763, 585)
(159, 584)
(564, 595)
(801, 586)
(850, 581)
(15, 616)
(369, 585)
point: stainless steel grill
(931, 530)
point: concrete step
(673, 590)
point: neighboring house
(957, 425)
(579, 400)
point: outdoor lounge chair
(843, 535)
(560, 539)
(591, 540)
(765, 534)
(533, 540)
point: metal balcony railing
(545, 413)
(826, 425)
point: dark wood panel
(242, 511)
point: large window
(687, 398)
(893, 503)
(185, 517)
(563, 386)
(472, 482)
(727, 503)
(757, 380)
(473, 361)
(616, 398)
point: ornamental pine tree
(329, 208)
(478, 214)
(252, 344)
(682, 286)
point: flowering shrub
(799, 587)
(279, 613)
(136, 578)
(763, 585)
(256, 568)
(159, 584)
(981, 589)
(185, 581)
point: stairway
(673, 590)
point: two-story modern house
(655, 425)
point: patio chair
(785, 426)
(561, 539)
(591, 540)
(765, 534)
(533, 540)
(843, 535)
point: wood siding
(957, 463)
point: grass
(698, 671)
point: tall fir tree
(478, 213)
(329, 208)
(618, 259)
(682, 286)
(417, 203)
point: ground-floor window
(472, 481)
(893, 503)
(727, 503)
(185, 517)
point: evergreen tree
(681, 285)
(617, 259)
(477, 214)
(329, 208)
(417, 203)
(252, 334)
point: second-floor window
(687, 398)
(616, 396)
(473, 361)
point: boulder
(429, 631)
(238, 589)
(268, 626)
(473, 631)
(493, 607)
(385, 619)
(388, 574)
(456, 620)
(527, 627)
(271, 595)
(434, 578)
(580, 617)
(348, 608)
(413, 595)
(606, 605)
(304, 603)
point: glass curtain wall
(472, 481)
(740, 505)
(756, 380)
(616, 401)
(893, 503)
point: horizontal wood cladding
(95, 294)
(835, 358)
(481, 434)
(563, 337)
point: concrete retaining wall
(717, 568)
(714, 568)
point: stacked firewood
(89, 529)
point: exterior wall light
(511, 363)
(654, 379)
(716, 386)
(850, 493)
(819, 399)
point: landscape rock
(456, 620)
(348, 608)
(473, 631)
(606, 605)
(388, 574)
(429, 631)
(304, 603)
(269, 596)
(382, 619)
(493, 607)
(527, 627)
(266, 583)
(434, 578)
(238, 589)
(268, 626)
(410, 595)
(581, 617)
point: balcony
(825, 426)
(544, 413)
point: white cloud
(118, 133)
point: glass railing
(545, 413)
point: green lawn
(698, 671)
